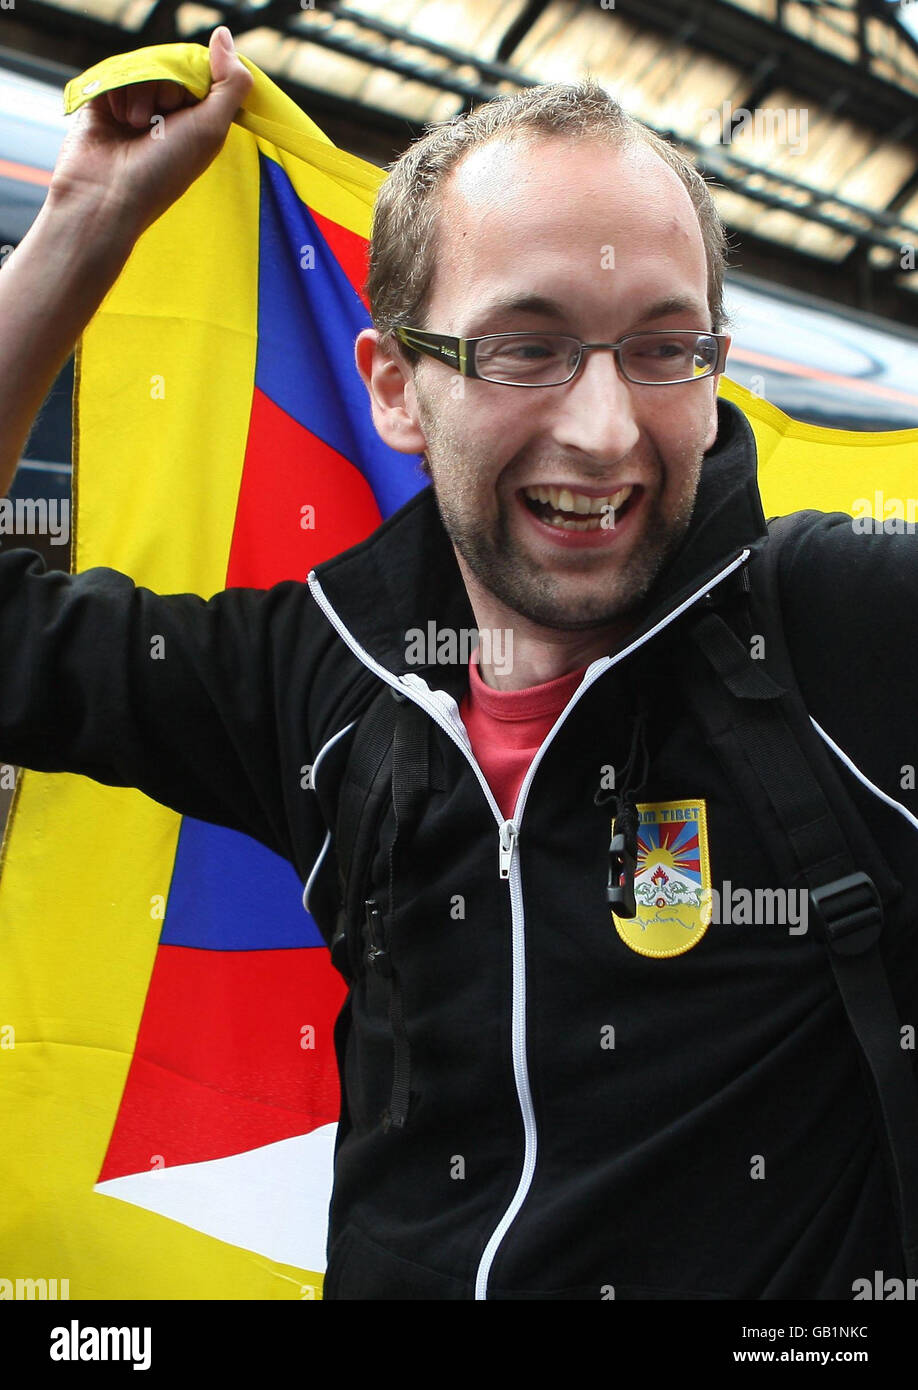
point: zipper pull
(508, 838)
(377, 955)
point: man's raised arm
(110, 182)
(180, 696)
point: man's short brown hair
(403, 246)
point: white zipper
(508, 859)
(508, 838)
(518, 1051)
(412, 685)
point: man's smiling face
(526, 226)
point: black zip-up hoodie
(725, 1146)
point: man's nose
(596, 411)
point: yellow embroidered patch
(672, 880)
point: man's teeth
(564, 508)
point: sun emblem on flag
(672, 880)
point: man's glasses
(661, 357)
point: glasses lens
(650, 358)
(527, 359)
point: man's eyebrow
(537, 304)
(673, 304)
(517, 304)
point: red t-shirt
(507, 727)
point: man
(540, 1098)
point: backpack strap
(756, 722)
(410, 792)
(388, 765)
(364, 789)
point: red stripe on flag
(300, 502)
(219, 1066)
(352, 252)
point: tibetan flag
(169, 1097)
(168, 1093)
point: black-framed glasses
(658, 357)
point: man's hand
(112, 165)
(111, 180)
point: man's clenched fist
(110, 164)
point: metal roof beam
(727, 31)
(372, 54)
(519, 28)
(496, 71)
(160, 24)
(727, 167)
(808, 214)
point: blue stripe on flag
(308, 318)
(230, 893)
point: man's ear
(393, 401)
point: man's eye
(519, 350)
(668, 348)
(530, 351)
(524, 350)
(531, 357)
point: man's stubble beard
(503, 568)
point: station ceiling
(803, 113)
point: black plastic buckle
(851, 912)
(377, 957)
(620, 887)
